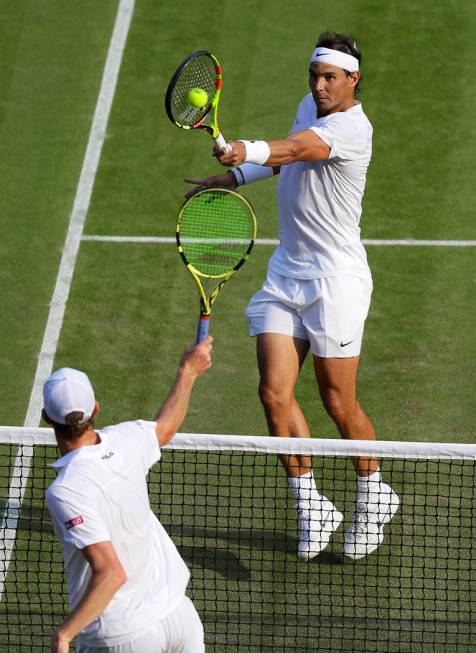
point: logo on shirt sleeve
(71, 523)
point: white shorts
(329, 313)
(180, 632)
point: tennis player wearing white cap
(126, 579)
(317, 292)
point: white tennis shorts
(180, 632)
(330, 312)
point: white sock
(369, 487)
(304, 488)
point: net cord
(18, 435)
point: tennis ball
(197, 97)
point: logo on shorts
(344, 344)
(71, 523)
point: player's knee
(273, 398)
(339, 408)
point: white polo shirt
(100, 494)
(320, 202)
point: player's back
(100, 494)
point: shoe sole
(316, 547)
(385, 519)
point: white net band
(274, 445)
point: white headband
(336, 58)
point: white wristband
(247, 173)
(256, 151)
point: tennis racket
(200, 70)
(215, 233)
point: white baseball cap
(68, 391)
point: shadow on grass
(218, 555)
(210, 548)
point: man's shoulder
(307, 106)
(350, 122)
(305, 114)
(67, 487)
(52, 490)
(129, 429)
(307, 100)
(355, 115)
(133, 438)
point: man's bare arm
(300, 146)
(194, 363)
(107, 577)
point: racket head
(215, 232)
(199, 70)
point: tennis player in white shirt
(126, 579)
(318, 288)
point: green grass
(133, 308)
(52, 61)
(416, 370)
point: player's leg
(376, 503)
(280, 358)
(282, 345)
(335, 327)
(337, 381)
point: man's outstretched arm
(195, 361)
(301, 146)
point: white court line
(156, 239)
(421, 243)
(97, 134)
(274, 241)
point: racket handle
(222, 144)
(202, 330)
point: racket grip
(202, 330)
(222, 144)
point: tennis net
(226, 504)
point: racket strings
(198, 73)
(216, 232)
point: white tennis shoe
(365, 533)
(316, 523)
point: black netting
(233, 519)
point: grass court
(132, 308)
